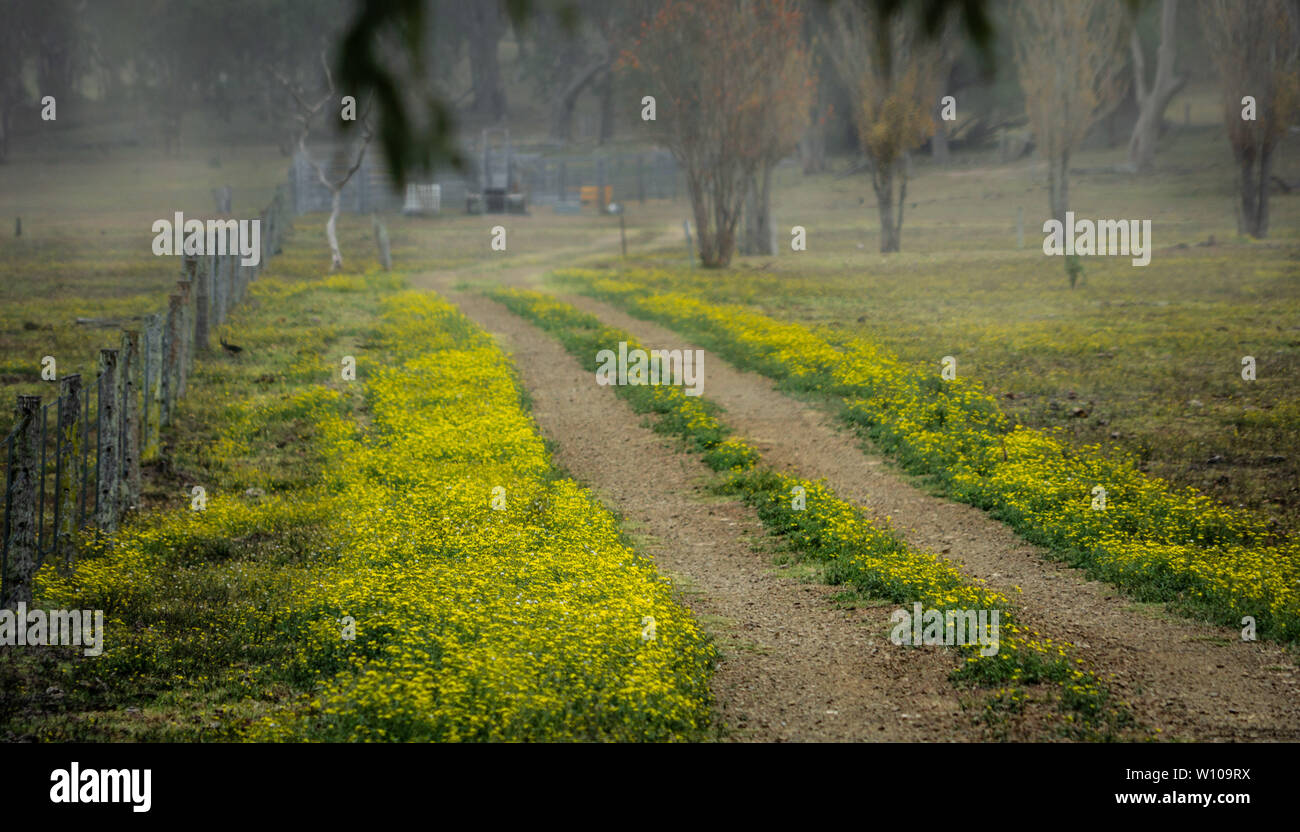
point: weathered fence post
(268, 233)
(640, 178)
(223, 287)
(381, 241)
(168, 354)
(236, 281)
(562, 182)
(600, 186)
(109, 470)
(21, 518)
(86, 485)
(233, 300)
(285, 223)
(188, 285)
(183, 338)
(130, 373)
(216, 290)
(65, 472)
(262, 243)
(153, 387)
(202, 306)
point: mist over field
(651, 371)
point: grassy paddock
(1146, 359)
(331, 498)
(86, 244)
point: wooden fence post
(381, 242)
(278, 219)
(189, 288)
(216, 291)
(153, 387)
(109, 469)
(264, 217)
(21, 518)
(69, 453)
(600, 186)
(183, 339)
(232, 282)
(130, 384)
(202, 305)
(168, 356)
(268, 233)
(224, 277)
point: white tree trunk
(336, 256)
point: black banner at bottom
(141, 783)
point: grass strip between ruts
(856, 551)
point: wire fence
(74, 463)
(565, 181)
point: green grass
(214, 675)
(85, 249)
(1147, 359)
(834, 542)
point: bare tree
(893, 70)
(1153, 99)
(711, 65)
(1069, 56)
(787, 86)
(1256, 46)
(306, 115)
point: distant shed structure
(564, 181)
(370, 190)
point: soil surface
(797, 665)
(1188, 679)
